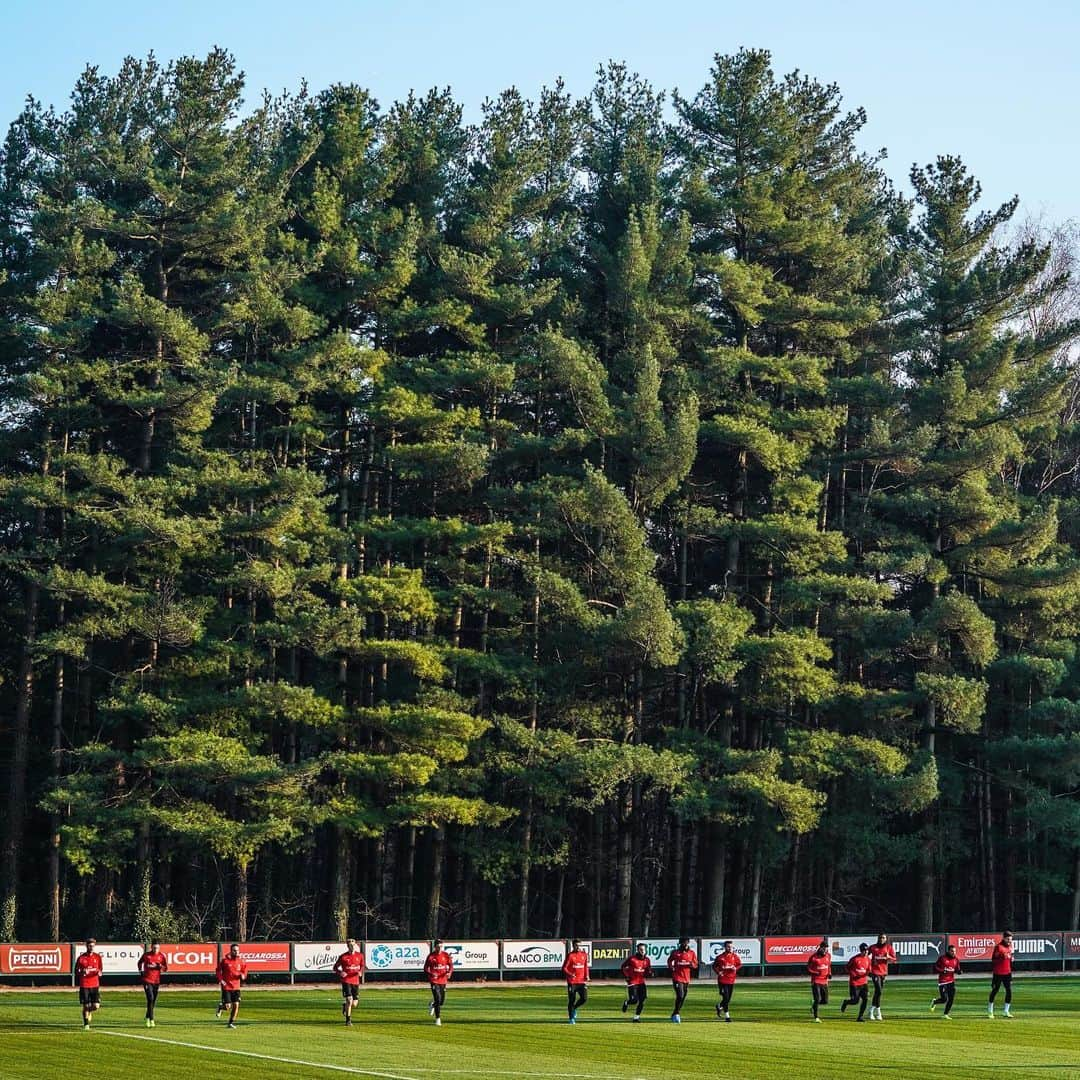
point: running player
(858, 971)
(881, 956)
(88, 976)
(1001, 967)
(349, 967)
(820, 968)
(635, 969)
(947, 968)
(152, 965)
(726, 965)
(576, 969)
(231, 972)
(438, 968)
(682, 963)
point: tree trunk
(408, 869)
(717, 880)
(57, 748)
(1074, 918)
(20, 757)
(755, 897)
(241, 907)
(341, 902)
(526, 869)
(624, 863)
(438, 858)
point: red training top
(438, 967)
(88, 971)
(1001, 961)
(350, 966)
(576, 967)
(820, 968)
(230, 971)
(636, 969)
(947, 968)
(152, 965)
(682, 963)
(726, 966)
(881, 956)
(858, 969)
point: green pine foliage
(600, 518)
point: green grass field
(522, 1032)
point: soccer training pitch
(501, 1033)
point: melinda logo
(36, 958)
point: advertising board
(51, 959)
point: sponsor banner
(792, 950)
(609, 953)
(54, 959)
(118, 959)
(473, 955)
(1072, 944)
(191, 959)
(534, 955)
(748, 950)
(842, 947)
(916, 948)
(395, 955)
(1026, 946)
(659, 949)
(317, 956)
(265, 955)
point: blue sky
(997, 83)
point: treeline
(616, 515)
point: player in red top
(947, 968)
(152, 965)
(438, 967)
(576, 969)
(231, 972)
(726, 965)
(349, 967)
(682, 963)
(635, 969)
(881, 956)
(1001, 968)
(88, 977)
(820, 968)
(858, 971)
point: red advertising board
(1027, 945)
(790, 950)
(266, 955)
(52, 959)
(1072, 944)
(191, 959)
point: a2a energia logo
(382, 956)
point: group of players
(868, 968)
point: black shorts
(348, 990)
(90, 995)
(230, 997)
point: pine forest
(622, 515)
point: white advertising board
(659, 949)
(533, 955)
(395, 955)
(748, 950)
(473, 955)
(118, 959)
(317, 956)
